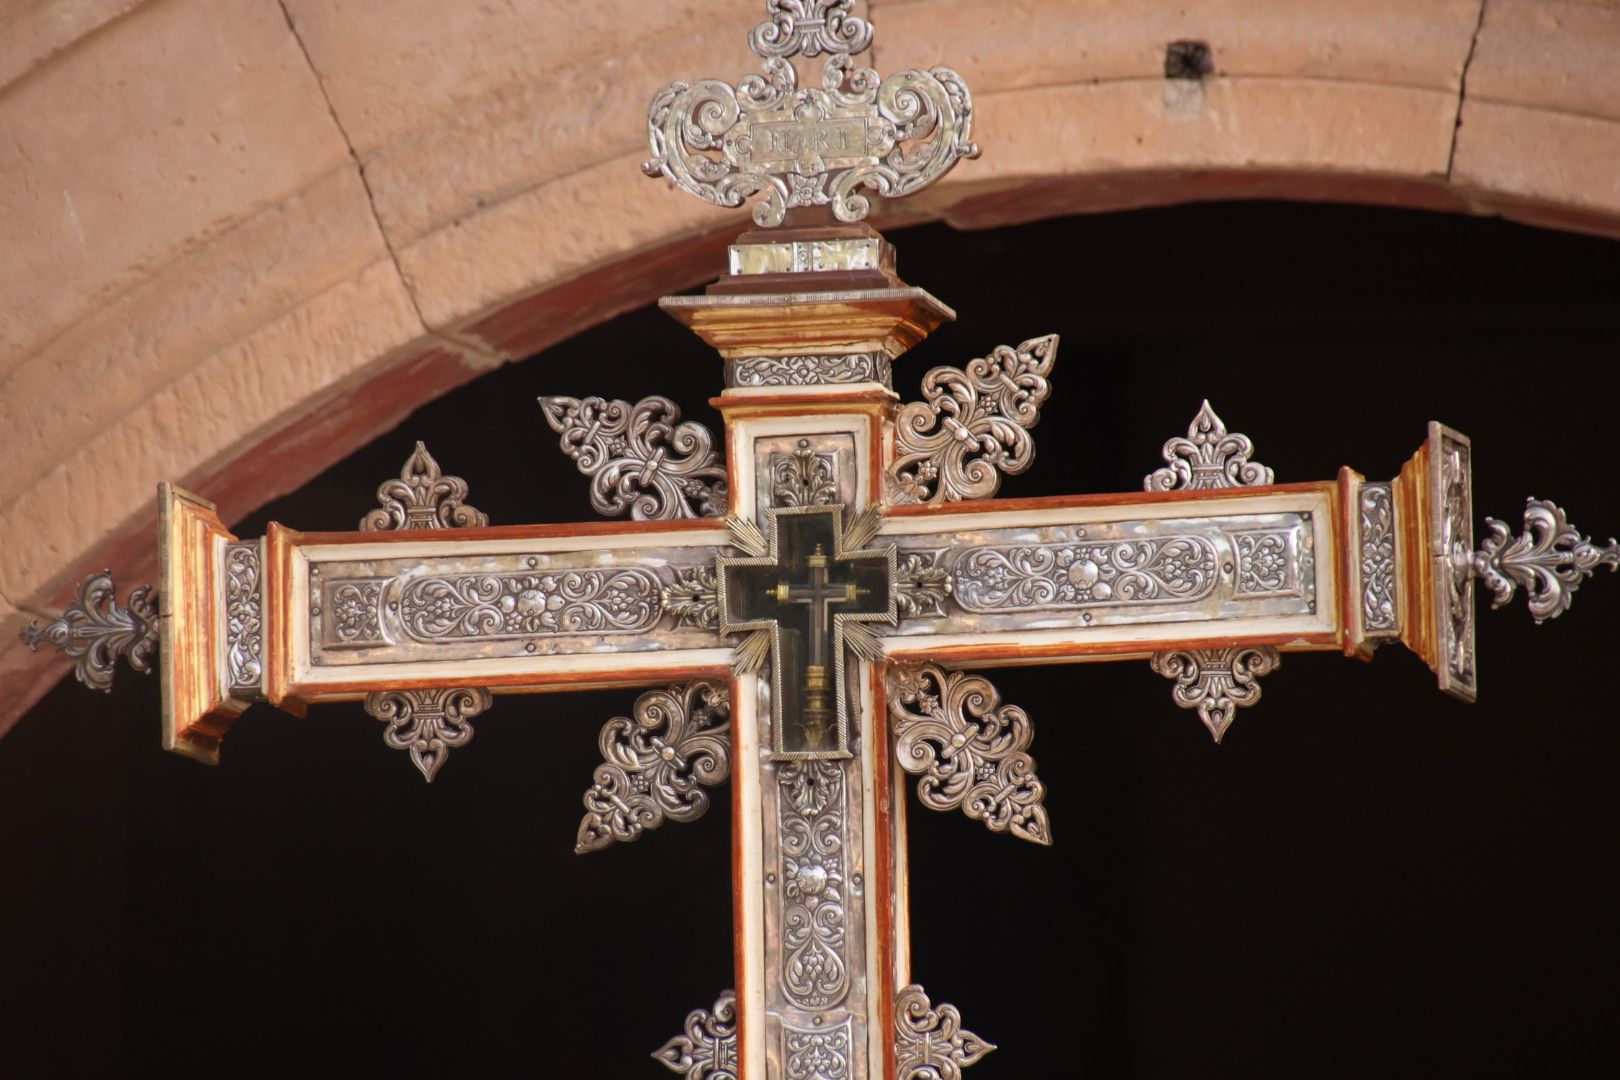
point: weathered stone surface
(1541, 119)
(1032, 43)
(33, 31)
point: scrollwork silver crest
(969, 751)
(95, 631)
(972, 426)
(1217, 682)
(707, 1049)
(1549, 560)
(810, 146)
(422, 498)
(642, 457)
(656, 763)
(1208, 457)
(929, 1041)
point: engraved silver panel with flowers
(1114, 573)
(381, 610)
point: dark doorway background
(1366, 879)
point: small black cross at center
(802, 591)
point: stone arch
(246, 236)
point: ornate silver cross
(806, 613)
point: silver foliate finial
(94, 631)
(1208, 457)
(1549, 560)
(810, 146)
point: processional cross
(806, 611)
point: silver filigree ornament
(640, 457)
(972, 426)
(810, 146)
(1549, 560)
(1208, 457)
(707, 1049)
(929, 1041)
(428, 723)
(656, 763)
(1217, 682)
(422, 498)
(95, 631)
(968, 750)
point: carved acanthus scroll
(972, 426)
(641, 457)
(656, 764)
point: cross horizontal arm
(304, 617)
(1111, 577)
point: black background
(1366, 878)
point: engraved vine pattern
(243, 619)
(352, 610)
(1377, 558)
(810, 797)
(640, 457)
(972, 425)
(810, 370)
(493, 606)
(969, 751)
(1265, 565)
(1033, 577)
(657, 762)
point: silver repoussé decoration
(972, 425)
(804, 477)
(1377, 559)
(693, 598)
(422, 498)
(244, 624)
(921, 584)
(1549, 560)
(817, 1053)
(968, 749)
(809, 370)
(641, 457)
(814, 818)
(1208, 458)
(94, 631)
(428, 723)
(656, 765)
(708, 1048)
(1042, 577)
(810, 146)
(1217, 682)
(929, 1041)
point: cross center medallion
(804, 592)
